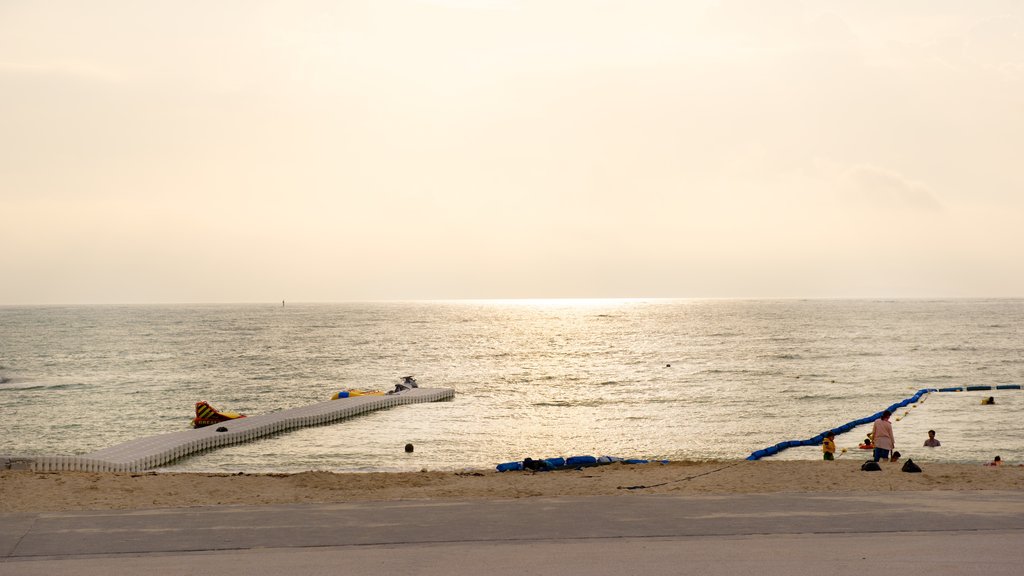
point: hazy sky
(237, 151)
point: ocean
(656, 379)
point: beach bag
(871, 466)
(536, 465)
(911, 467)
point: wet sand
(25, 491)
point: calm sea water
(675, 379)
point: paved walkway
(901, 533)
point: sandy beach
(25, 491)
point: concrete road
(902, 533)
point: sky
(322, 151)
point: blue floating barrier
(816, 440)
(555, 462)
(641, 461)
(510, 466)
(574, 461)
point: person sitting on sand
(828, 446)
(989, 400)
(895, 457)
(932, 442)
(996, 462)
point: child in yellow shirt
(828, 446)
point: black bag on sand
(870, 466)
(909, 466)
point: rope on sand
(681, 479)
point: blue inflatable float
(571, 463)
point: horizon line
(556, 299)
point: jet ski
(407, 383)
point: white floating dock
(153, 451)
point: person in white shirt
(881, 433)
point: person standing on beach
(881, 433)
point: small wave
(570, 404)
(11, 385)
(800, 397)
(953, 348)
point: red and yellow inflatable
(206, 415)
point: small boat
(206, 415)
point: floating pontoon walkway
(153, 451)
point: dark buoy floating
(668, 365)
(408, 447)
